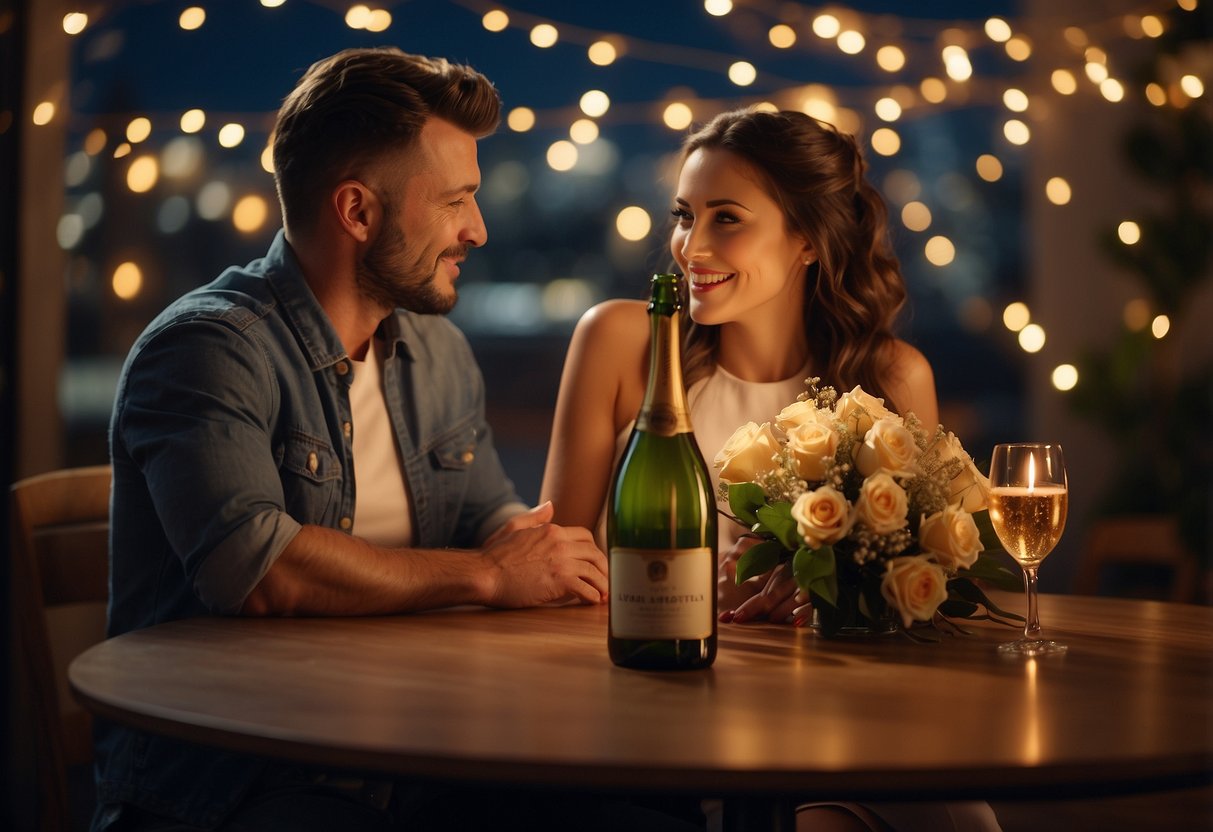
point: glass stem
(1031, 628)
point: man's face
(430, 220)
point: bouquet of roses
(877, 515)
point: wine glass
(1029, 496)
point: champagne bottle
(661, 520)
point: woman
(783, 242)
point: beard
(390, 275)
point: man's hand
(532, 561)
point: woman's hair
(854, 291)
(361, 106)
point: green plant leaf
(958, 609)
(745, 498)
(985, 527)
(777, 519)
(759, 559)
(959, 588)
(989, 568)
(816, 572)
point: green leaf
(758, 560)
(990, 568)
(968, 591)
(777, 519)
(745, 498)
(816, 573)
(985, 528)
(958, 609)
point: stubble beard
(388, 277)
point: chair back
(1138, 540)
(60, 586)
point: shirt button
(345, 523)
(347, 429)
(313, 462)
(342, 368)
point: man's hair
(361, 106)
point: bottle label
(661, 593)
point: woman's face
(732, 242)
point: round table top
(531, 697)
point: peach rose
(915, 587)
(822, 516)
(951, 536)
(889, 446)
(750, 451)
(813, 446)
(799, 413)
(970, 489)
(882, 504)
(859, 411)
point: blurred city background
(1048, 167)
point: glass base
(1031, 647)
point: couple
(306, 434)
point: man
(306, 434)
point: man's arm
(526, 563)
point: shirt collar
(308, 318)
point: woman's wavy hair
(854, 289)
(360, 106)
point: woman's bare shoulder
(617, 318)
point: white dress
(720, 404)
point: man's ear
(357, 209)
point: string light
(851, 42)
(633, 223)
(520, 119)
(989, 167)
(890, 58)
(583, 131)
(142, 174)
(916, 216)
(1032, 338)
(43, 113)
(75, 22)
(886, 141)
(231, 135)
(595, 103)
(940, 251)
(782, 36)
(192, 121)
(544, 35)
(127, 280)
(887, 109)
(602, 53)
(826, 26)
(1192, 86)
(1015, 100)
(1015, 316)
(1016, 132)
(192, 18)
(718, 8)
(495, 20)
(1129, 232)
(138, 129)
(1112, 90)
(1063, 81)
(1057, 190)
(1065, 377)
(956, 63)
(677, 116)
(562, 155)
(1160, 326)
(998, 30)
(250, 213)
(742, 73)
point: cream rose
(803, 412)
(951, 536)
(888, 446)
(813, 446)
(970, 489)
(882, 504)
(750, 451)
(915, 587)
(822, 516)
(859, 411)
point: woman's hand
(778, 600)
(774, 596)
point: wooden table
(530, 697)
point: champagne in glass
(1028, 502)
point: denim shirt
(232, 429)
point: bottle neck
(664, 411)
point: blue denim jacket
(231, 429)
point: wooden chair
(1142, 541)
(60, 585)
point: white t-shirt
(382, 514)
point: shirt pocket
(311, 477)
(451, 455)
